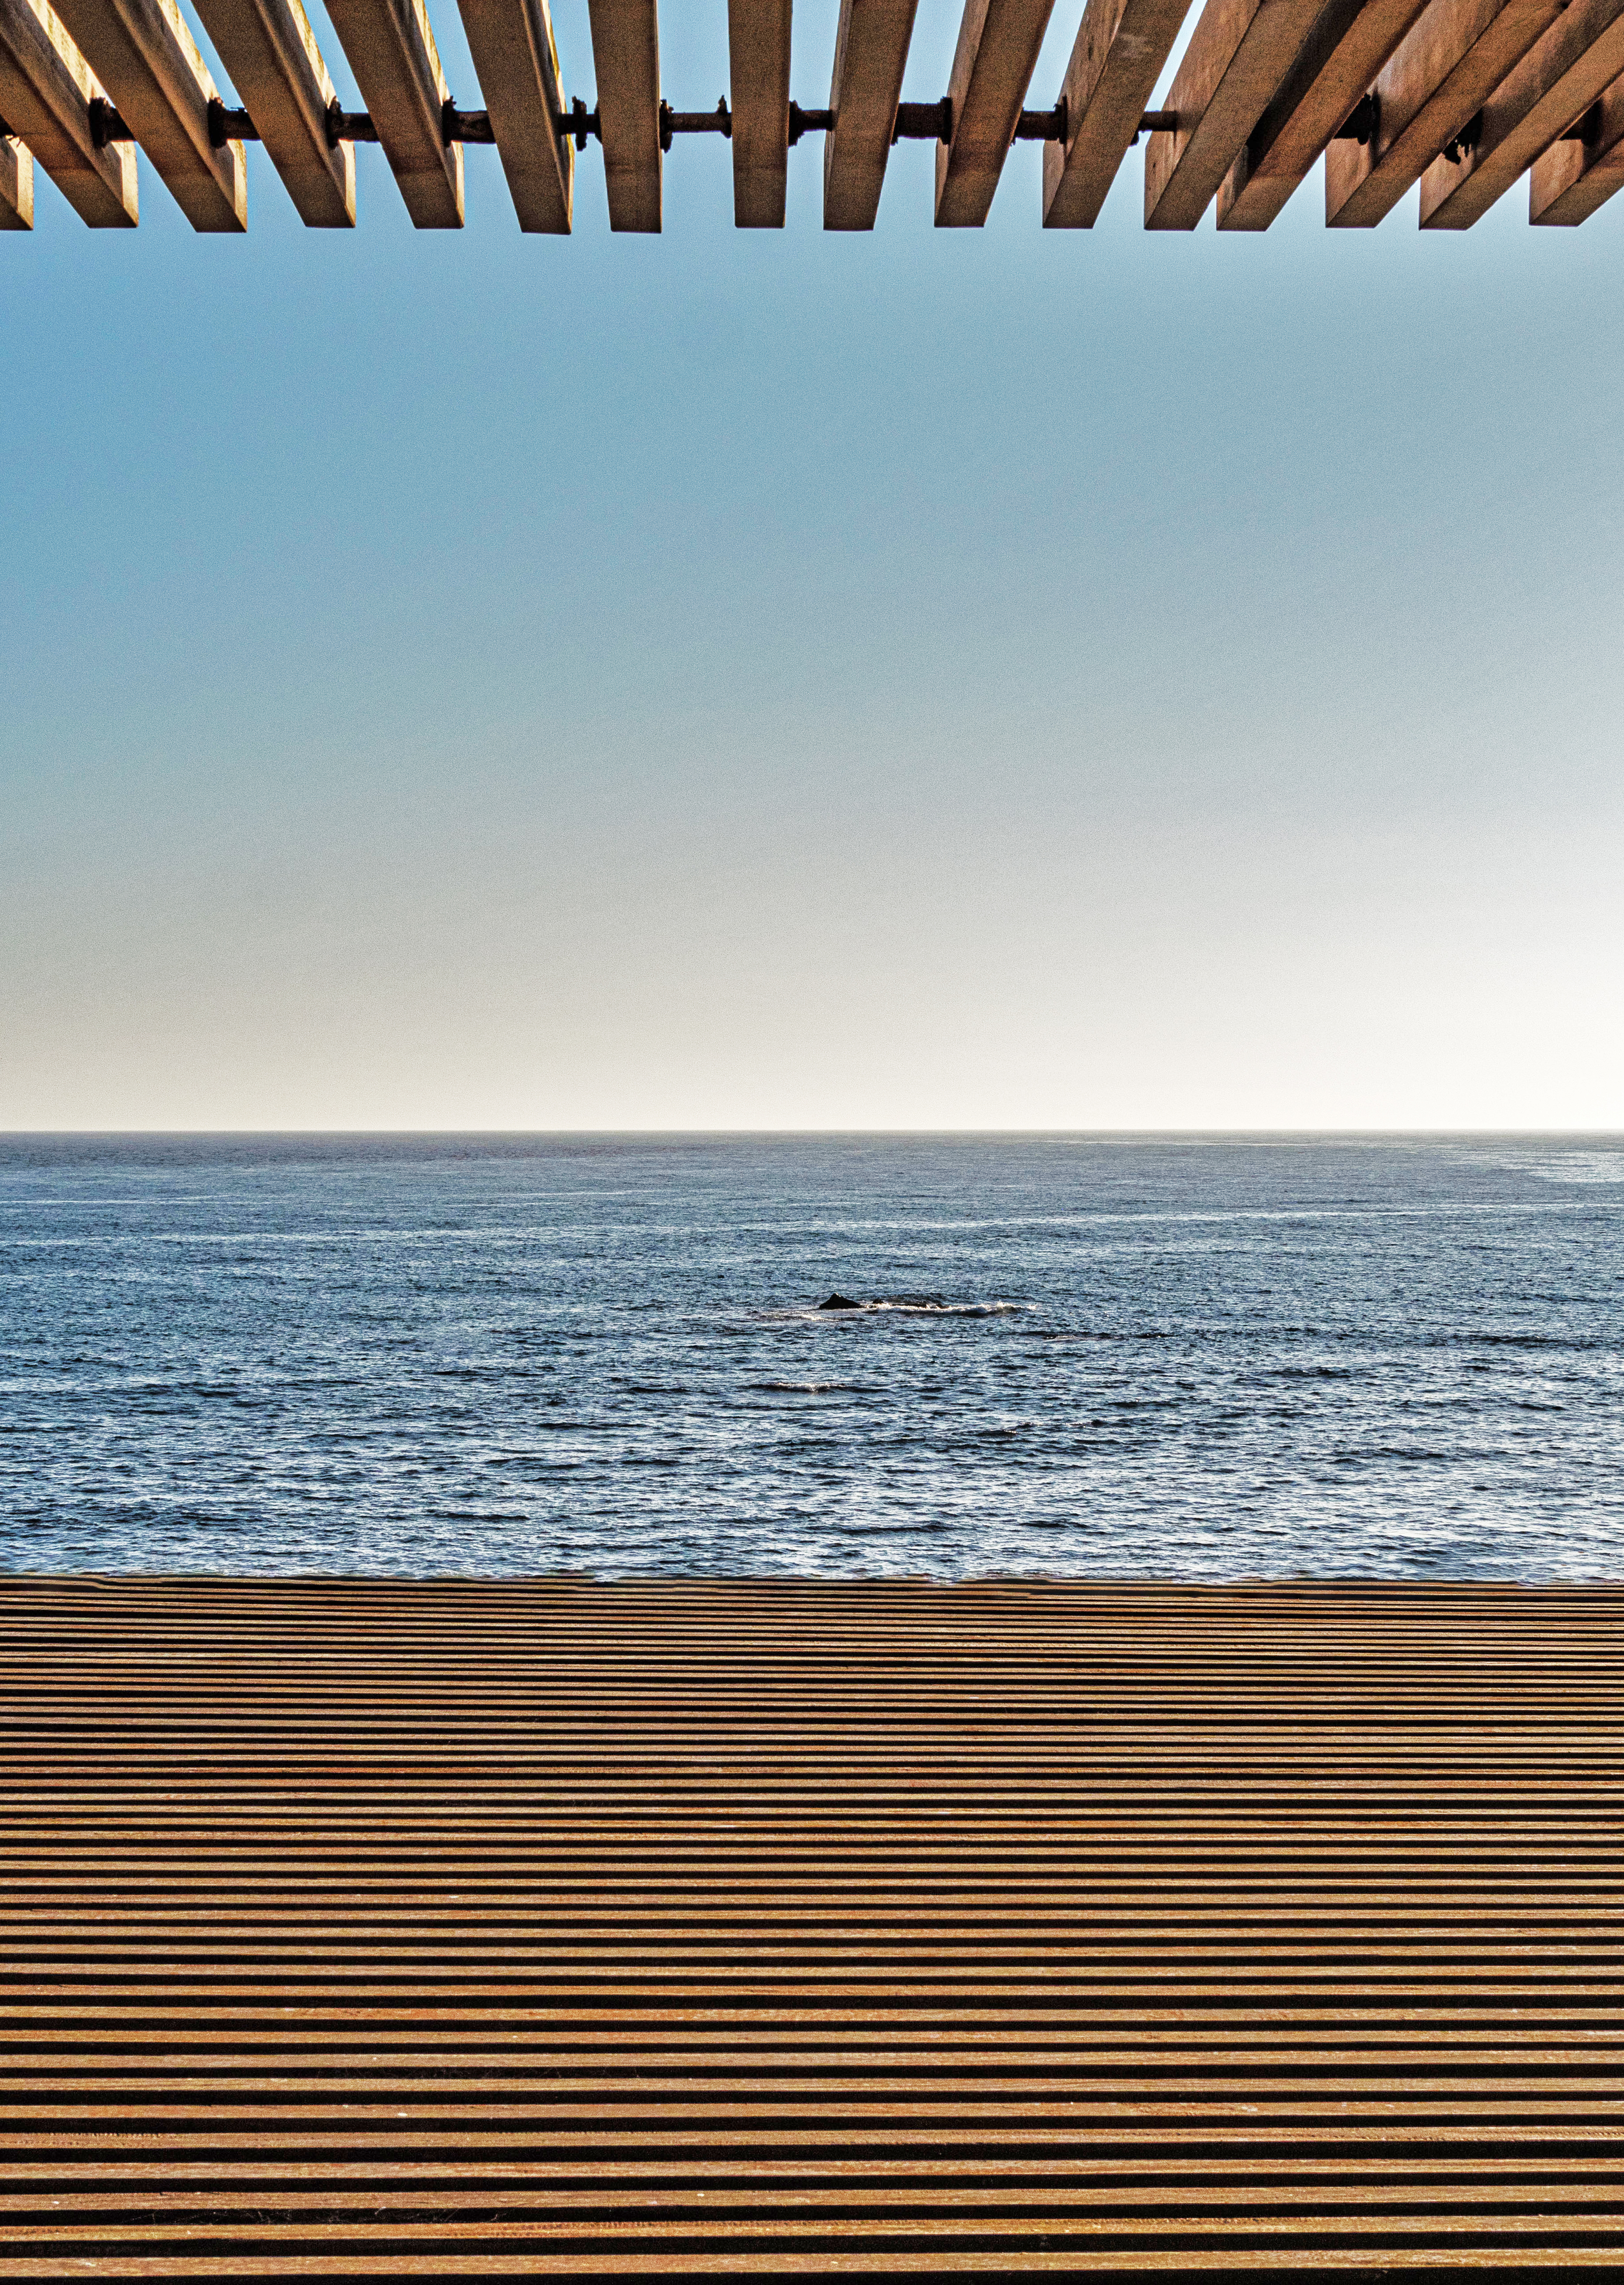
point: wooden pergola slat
(16, 184)
(46, 88)
(1239, 53)
(390, 45)
(1350, 43)
(626, 57)
(870, 53)
(277, 68)
(1568, 182)
(1567, 69)
(1117, 59)
(144, 55)
(1443, 71)
(516, 58)
(759, 91)
(993, 66)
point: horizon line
(542, 1134)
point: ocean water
(1203, 1357)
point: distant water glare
(1206, 1359)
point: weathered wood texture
(870, 53)
(1238, 54)
(758, 98)
(626, 55)
(144, 54)
(45, 91)
(16, 184)
(1569, 181)
(1349, 42)
(1117, 59)
(390, 45)
(992, 65)
(374, 1930)
(1443, 71)
(280, 78)
(516, 58)
(1573, 62)
(403, 86)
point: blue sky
(948, 678)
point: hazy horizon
(939, 1134)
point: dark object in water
(839, 1301)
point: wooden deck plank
(992, 65)
(626, 57)
(563, 1930)
(516, 58)
(143, 53)
(282, 81)
(871, 54)
(1237, 58)
(391, 49)
(45, 91)
(1441, 74)
(1350, 41)
(758, 92)
(1568, 181)
(1568, 68)
(1118, 55)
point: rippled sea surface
(1206, 1358)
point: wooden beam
(46, 89)
(758, 97)
(1569, 181)
(1565, 72)
(1239, 53)
(626, 57)
(144, 54)
(993, 66)
(1350, 41)
(391, 44)
(16, 185)
(870, 53)
(1117, 59)
(1441, 74)
(516, 58)
(270, 51)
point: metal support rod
(347, 126)
(924, 123)
(1042, 126)
(228, 126)
(464, 126)
(809, 122)
(916, 123)
(719, 122)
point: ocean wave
(809, 1388)
(632, 1381)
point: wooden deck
(692, 1929)
(1465, 98)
